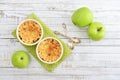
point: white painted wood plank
(84, 42)
(106, 17)
(71, 77)
(56, 26)
(53, 77)
(62, 1)
(14, 46)
(7, 51)
(59, 6)
(63, 72)
(75, 60)
(37, 77)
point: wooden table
(90, 60)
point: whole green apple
(20, 59)
(96, 31)
(82, 17)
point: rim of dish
(60, 53)
(36, 41)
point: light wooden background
(90, 60)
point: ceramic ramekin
(17, 33)
(44, 46)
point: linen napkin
(47, 33)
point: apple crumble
(49, 50)
(29, 32)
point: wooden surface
(90, 60)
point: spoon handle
(65, 28)
(58, 33)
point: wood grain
(90, 60)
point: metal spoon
(71, 45)
(74, 39)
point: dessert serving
(29, 32)
(49, 50)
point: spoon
(71, 45)
(74, 39)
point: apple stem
(21, 58)
(99, 29)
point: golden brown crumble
(49, 50)
(29, 32)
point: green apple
(20, 59)
(82, 17)
(96, 31)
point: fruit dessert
(29, 32)
(49, 50)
